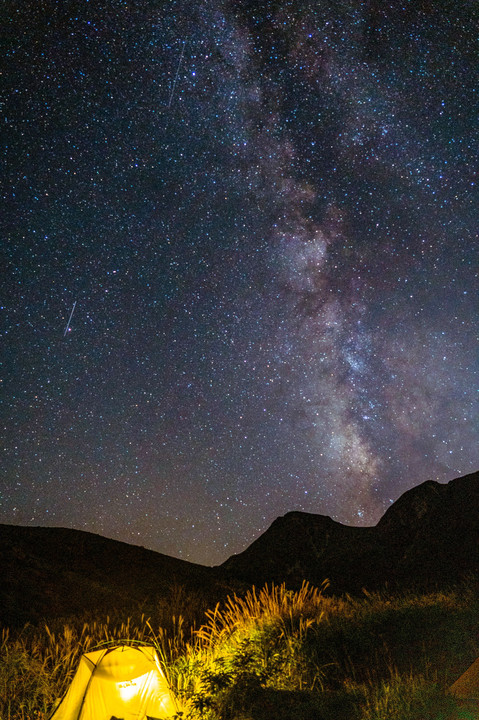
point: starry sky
(240, 263)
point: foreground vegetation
(273, 653)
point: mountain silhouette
(428, 538)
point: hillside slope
(54, 572)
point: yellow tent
(124, 682)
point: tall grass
(272, 653)
(409, 697)
(291, 609)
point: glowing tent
(124, 682)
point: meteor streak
(69, 319)
(177, 73)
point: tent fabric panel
(129, 700)
(157, 698)
(123, 664)
(75, 694)
(467, 686)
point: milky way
(264, 216)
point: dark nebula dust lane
(241, 254)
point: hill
(55, 572)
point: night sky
(240, 261)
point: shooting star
(177, 73)
(70, 319)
